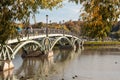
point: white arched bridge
(38, 40)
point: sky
(69, 11)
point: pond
(86, 64)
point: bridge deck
(10, 41)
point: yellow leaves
(97, 8)
(95, 11)
(66, 29)
(92, 2)
(58, 27)
(49, 4)
(32, 1)
(98, 23)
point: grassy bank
(101, 43)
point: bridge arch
(6, 52)
(78, 43)
(77, 40)
(63, 37)
(22, 44)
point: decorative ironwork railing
(36, 31)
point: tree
(19, 10)
(99, 16)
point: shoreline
(101, 43)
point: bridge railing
(36, 31)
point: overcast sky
(69, 11)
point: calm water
(87, 64)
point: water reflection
(39, 68)
(102, 50)
(88, 64)
(42, 68)
(7, 75)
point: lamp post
(60, 23)
(63, 27)
(50, 24)
(60, 26)
(50, 21)
(46, 25)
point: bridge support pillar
(6, 65)
(82, 42)
(75, 47)
(49, 53)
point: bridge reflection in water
(41, 68)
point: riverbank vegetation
(101, 43)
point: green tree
(99, 16)
(20, 10)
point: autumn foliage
(99, 16)
(20, 10)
